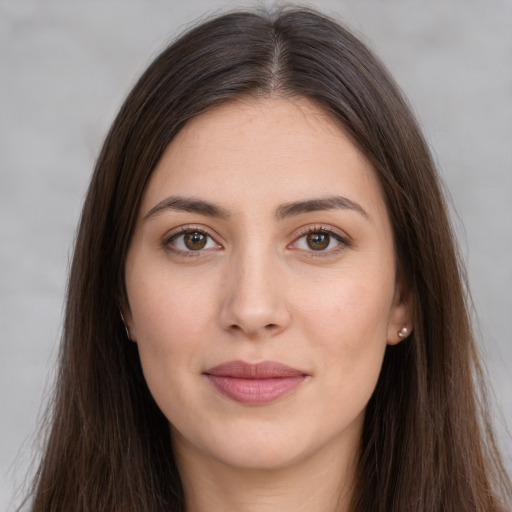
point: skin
(258, 292)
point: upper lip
(263, 370)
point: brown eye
(195, 241)
(321, 241)
(190, 241)
(318, 241)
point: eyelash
(343, 242)
(185, 230)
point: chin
(260, 455)
(265, 446)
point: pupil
(195, 241)
(318, 241)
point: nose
(254, 298)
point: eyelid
(183, 230)
(343, 239)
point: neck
(322, 482)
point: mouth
(259, 383)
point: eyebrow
(321, 204)
(186, 204)
(209, 209)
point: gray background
(64, 70)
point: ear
(127, 319)
(400, 323)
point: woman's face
(261, 285)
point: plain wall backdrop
(65, 67)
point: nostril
(268, 328)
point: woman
(265, 307)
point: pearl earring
(402, 333)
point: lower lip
(255, 391)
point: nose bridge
(254, 302)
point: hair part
(425, 446)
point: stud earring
(402, 333)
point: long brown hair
(426, 445)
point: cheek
(348, 314)
(170, 323)
(347, 329)
(170, 319)
(165, 304)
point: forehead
(271, 150)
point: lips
(254, 383)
